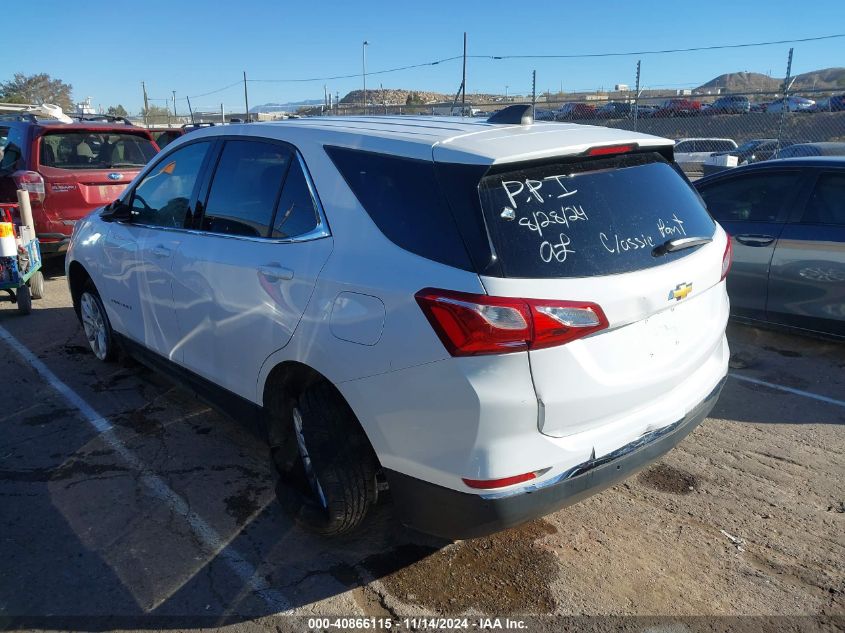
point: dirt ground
(170, 513)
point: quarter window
(245, 188)
(163, 197)
(754, 198)
(827, 204)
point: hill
(825, 79)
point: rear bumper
(53, 243)
(452, 514)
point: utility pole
(464, 80)
(383, 103)
(787, 84)
(190, 110)
(637, 96)
(325, 99)
(222, 115)
(533, 93)
(337, 101)
(506, 91)
(246, 99)
(175, 116)
(146, 102)
(364, 70)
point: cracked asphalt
(170, 511)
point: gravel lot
(124, 497)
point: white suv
(493, 319)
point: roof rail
(45, 110)
(108, 118)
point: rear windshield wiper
(118, 165)
(679, 244)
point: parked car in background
(573, 111)
(541, 114)
(645, 111)
(614, 110)
(327, 280)
(759, 106)
(690, 151)
(801, 150)
(69, 169)
(790, 104)
(678, 108)
(835, 103)
(756, 150)
(787, 222)
(730, 104)
(164, 136)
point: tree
(157, 115)
(117, 110)
(40, 88)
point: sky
(105, 50)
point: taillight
(32, 182)
(472, 324)
(727, 257)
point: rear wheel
(36, 285)
(328, 479)
(96, 324)
(24, 299)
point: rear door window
(751, 198)
(83, 149)
(591, 217)
(246, 188)
(163, 196)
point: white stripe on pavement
(206, 534)
(797, 392)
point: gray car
(787, 219)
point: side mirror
(116, 211)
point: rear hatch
(628, 233)
(86, 168)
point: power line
(356, 75)
(660, 52)
(503, 57)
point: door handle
(753, 239)
(274, 272)
(161, 251)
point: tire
(95, 323)
(24, 299)
(330, 483)
(36, 285)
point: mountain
(825, 79)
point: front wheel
(96, 324)
(330, 484)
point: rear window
(82, 149)
(593, 217)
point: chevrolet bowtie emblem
(680, 292)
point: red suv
(69, 169)
(678, 107)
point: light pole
(506, 92)
(364, 70)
